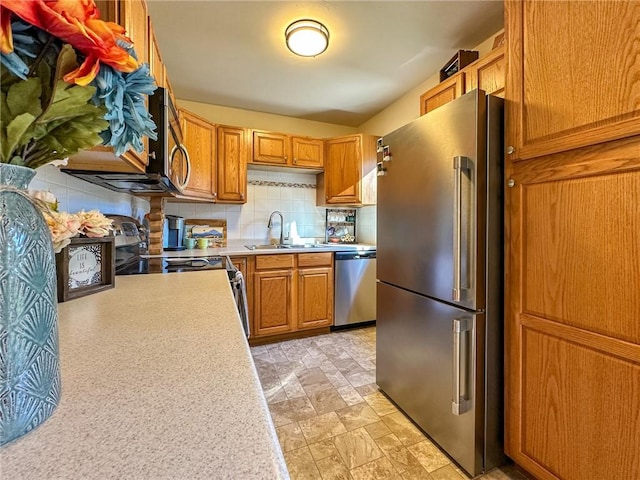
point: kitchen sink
(277, 246)
(267, 247)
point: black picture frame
(102, 276)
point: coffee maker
(173, 233)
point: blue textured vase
(29, 367)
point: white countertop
(157, 383)
(237, 247)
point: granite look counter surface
(157, 383)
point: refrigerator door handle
(460, 164)
(461, 402)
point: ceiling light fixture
(307, 38)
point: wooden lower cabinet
(315, 297)
(290, 293)
(272, 302)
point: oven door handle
(240, 296)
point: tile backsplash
(293, 194)
(74, 194)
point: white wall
(293, 194)
(74, 194)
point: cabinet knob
(295, 161)
(510, 150)
(511, 183)
(285, 157)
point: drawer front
(314, 259)
(264, 262)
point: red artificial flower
(77, 23)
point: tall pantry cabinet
(572, 320)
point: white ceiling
(232, 53)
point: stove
(142, 265)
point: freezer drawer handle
(460, 165)
(461, 402)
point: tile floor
(333, 423)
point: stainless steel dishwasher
(355, 288)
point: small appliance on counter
(173, 233)
(340, 226)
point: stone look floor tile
(350, 395)
(291, 411)
(406, 431)
(301, 465)
(325, 401)
(275, 395)
(290, 437)
(333, 468)
(357, 448)
(447, 473)
(417, 473)
(321, 427)
(365, 390)
(357, 416)
(377, 430)
(429, 456)
(380, 404)
(380, 469)
(314, 380)
(323, 449)
(358, 379)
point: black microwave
(169, 167)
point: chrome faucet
(276, 212)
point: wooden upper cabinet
(487, 74)
(156, 66)
(307, 152)
(576, 84)
(270, 148)
(279, 149)
(134, 18)
(232, 159)
(132, 15)
(349, 176)
(442, 93)
(199, 136)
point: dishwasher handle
(355, 255)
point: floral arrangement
(64, 226)
(69, 81)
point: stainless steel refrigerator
(440, 276)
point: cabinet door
(573, 82)
(442, 93)
(132, 16)
(199, 138)
(156, 66)
(232, 165)
(272, 302)
(573, 313)
(315, 297)
(270, 148)
(487, 74)
(307, 152)
(343, 170)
